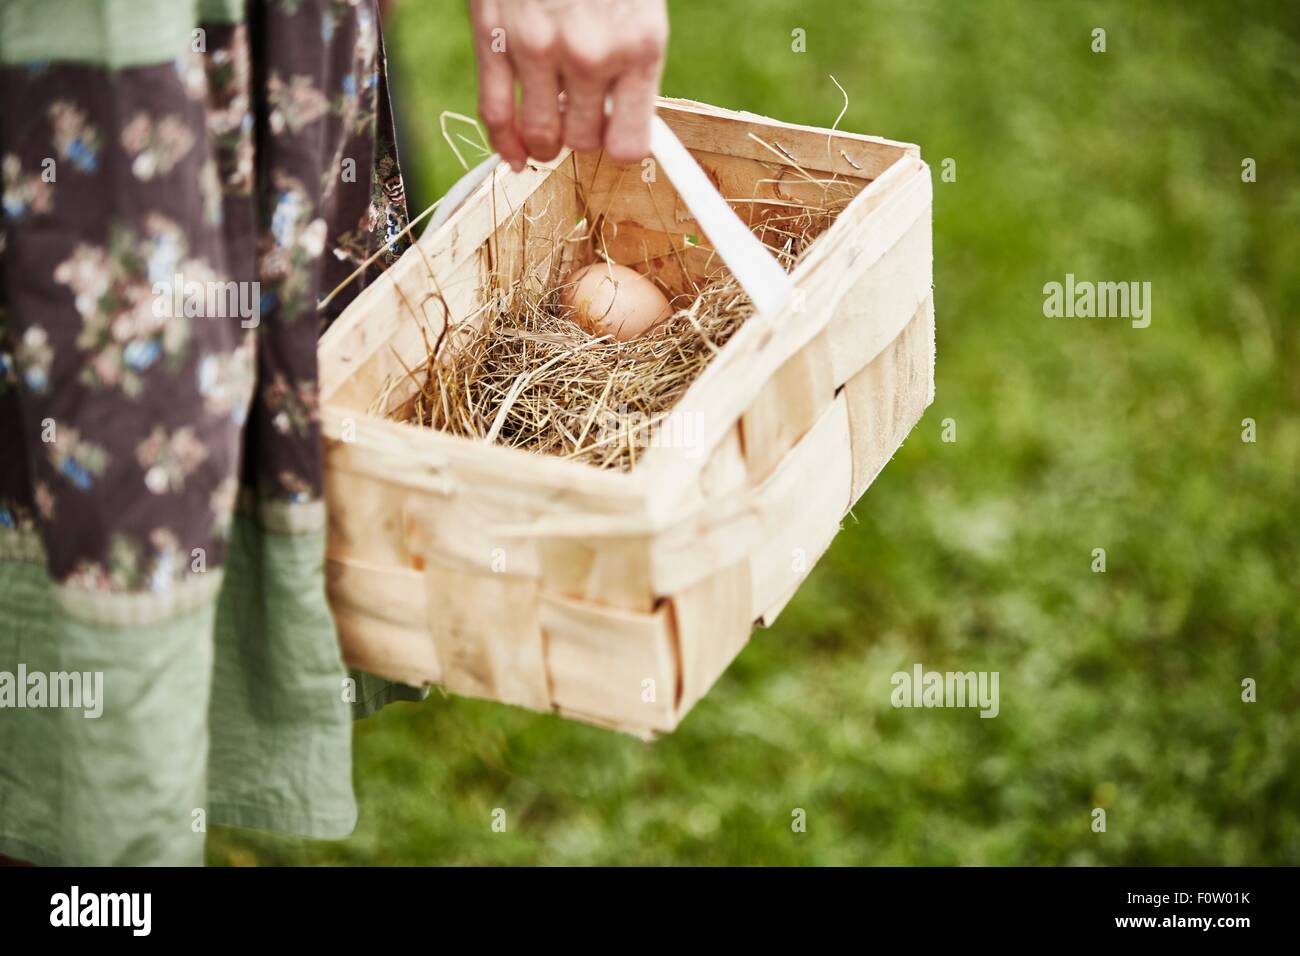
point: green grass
(1118, 690)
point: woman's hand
(590, 49)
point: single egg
(609, 299)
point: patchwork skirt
(183, 183)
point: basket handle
(768, 285)
(455, 197)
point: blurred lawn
(1119, 690)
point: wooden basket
(619, 598)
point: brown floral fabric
(167, 233)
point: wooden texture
(802, 503)
(887, 397)
(619, 599)
(787, 406)
(713, 619)
(616, 666)
(487, 632)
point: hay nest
(525, 375)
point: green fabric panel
(239, 708)
(111, 33)
(115, 790)
(281, 726)
(221, 11)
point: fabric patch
(126, 788)
(281, 727)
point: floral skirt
(183, 183)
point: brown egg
(609, 299)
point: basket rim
(440, 450)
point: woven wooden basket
(619, 598)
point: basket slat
(612, 571)
(788, 405)
(802, 503)
(881, 302)
(615, 665)
(488, 636)
(887, 397)
(713, 625)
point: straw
(520, 372)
